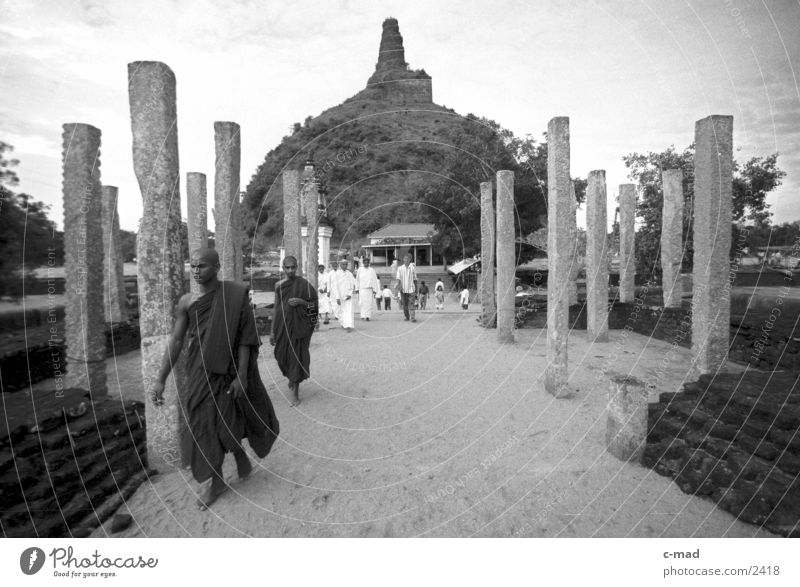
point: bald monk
(225, 399)
(293, 324)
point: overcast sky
(632, 76)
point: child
(387, 298)
(438, 293)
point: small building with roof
(393, 241)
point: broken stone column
(114, 297)
(713, 183)
(627, 253)
(560, 217)
(228, 224)
(596, 258)
(151, 89)
(506, 263)
(489, 308)
(626, 426)
(672, 237)
(292, 239)
(84, 328)
(197, 210)
(310, 206)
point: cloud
(631, 76)
(96, 13)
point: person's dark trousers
(387, 303)
(407, 301)
(378, 301)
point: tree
(751, 184)
(127, 245)
(8, 176)
(481, 148)
(28, 238)
(765, 235)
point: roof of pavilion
(404, 231)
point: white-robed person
(330, 282)
(344, 287)
(322, 287)
(367, 285)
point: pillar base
(626, 426)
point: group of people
(225, 400)
(338, 286)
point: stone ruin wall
(407, 91)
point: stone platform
(733, 438)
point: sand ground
(434, 429)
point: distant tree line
(752, 181)
(28, 238)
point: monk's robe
(219, 323)
(292, 328)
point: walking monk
(292, 326)
(225, 399)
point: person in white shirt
(367, 285)
(343, 290)
(464, 298)
(438, 293)
(330, 283)
(407, 276)
(322, 287)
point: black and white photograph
(400, 270)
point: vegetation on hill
(383, 164)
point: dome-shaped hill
(386, 155)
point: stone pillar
(197, 208)
(325, 234)
(228, 224)
(114, 297)
(489, 309)
(310, 252)
(596, 258)
(574, 265)
(713, 178)
(303, 241)
(506, 263)
(626, 426)
(151, 89)
(560, 216)
(84, 329)
(672, 237)
(627, 254)
(292, 240)
(197, 211)
(309, 206)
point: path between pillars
(434, 429)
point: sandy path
(433, 429)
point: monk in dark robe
(225, 399)
(293, 324)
